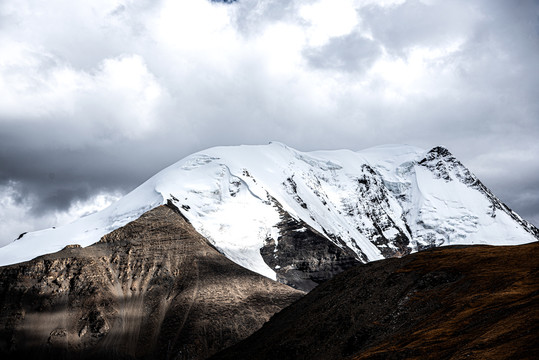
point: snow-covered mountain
(259, 205)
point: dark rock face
(375, 207)
(302, 257)
(153, 289)
(476, 302)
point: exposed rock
(302, 257)
(152, 289)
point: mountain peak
(279, 211)
(440, 151)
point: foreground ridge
(476, 302)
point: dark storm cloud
(96, 99)
(56, 175)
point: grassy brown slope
(477, 302)
(152, 289)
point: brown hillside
(152, 289)
(476, 302)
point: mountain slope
(258, 204)
(152, 289)
(477, 302)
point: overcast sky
(97, 96)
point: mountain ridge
(377, 203)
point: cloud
(349, 53)
(97, 97)
(118, 98)
(16, 211)
(416, 23)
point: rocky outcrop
(152, 289)
(303, 258)
(476, 302)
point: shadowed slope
(154, 288)
(447, 303)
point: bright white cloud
(119, 95)
(423, 71)
(81, 208)
(14, 214)
(327, 19)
